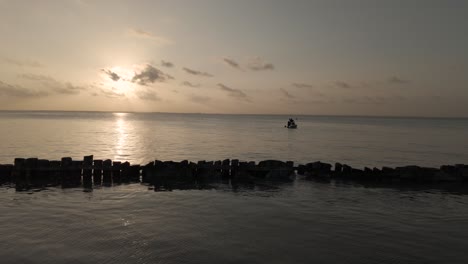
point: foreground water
(295, 222)
(142, 137)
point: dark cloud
(23, 63)
(19, 91)
(148, 95)
(236, 93)
(397, 80)
(150, 75)
(189, 84)
(287, 94)
(232, 63)
(167, 64)
(344, 85)
(198, 73)
(114, 76)
(258, 64)
(199, 99)
(54, 85)
(302, 85)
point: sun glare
(123, 84)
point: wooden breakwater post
(125, 172)
(97, 172)
(43, 174)
(88, 171)
(208, 171)
(70, 172)
(19, 174)
(107, 172)
(226, 169)
(116, 174)
(6, 172)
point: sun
(121, 81)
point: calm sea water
(140, 138)
(301, 221)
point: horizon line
(259, 114)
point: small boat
(291, 124)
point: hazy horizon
(332, 58)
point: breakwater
(66, 172)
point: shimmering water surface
(301, 221)
(140, 138)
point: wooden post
(147, 172)
(31, 170)
(97, 172)
(5, 173)
(135, 173)
(234, 168)
(106, 171)
(88, 171)
(116, 167)
(55, 175)
(125, 173)
(76, 172)
(226, 164)
(66, 167)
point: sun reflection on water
(121, 130)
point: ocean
(143, 137)
(299, 221)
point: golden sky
(395, 58)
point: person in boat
(291, 123)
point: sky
(350, 57)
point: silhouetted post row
(34, 172)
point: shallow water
(142, 137)
(294, 222)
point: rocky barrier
(66, 172)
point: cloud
(232, 63)
(189, 84)
(112, 75)
(36, 77)
(366, 100)
(236, 93)
(302, 85)
(148, 95)
(54, 85)
(23, 63)
(397, 80)
(140, 33)
(110, 93)
(258, 64)
(198, 73)
(287, 94)
(199, 99)
(344, 85)
(150, 75)
(167, 64)
(19, 91)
